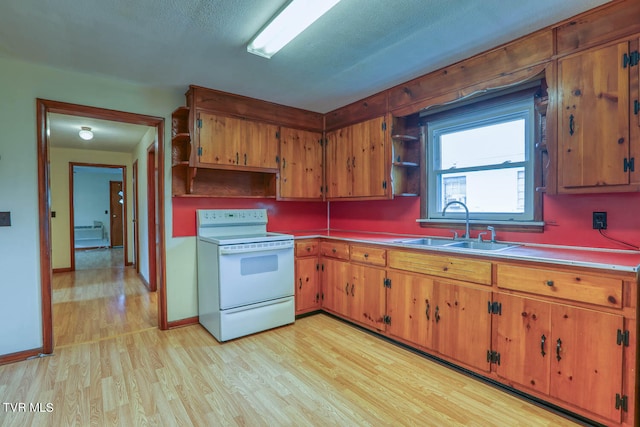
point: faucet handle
(455, 234)
(480, 236)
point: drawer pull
(366, 255)
(543, 339)
(308, 248)
(334, 250)
(352, 288)
(426, 312)
(437, 314)
(346, 289)
(549, 282)
(300, 287)
(558, 349)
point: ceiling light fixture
(85, 133)
(286, 25)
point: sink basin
(458, 244)
(425, 241)
(481, 246)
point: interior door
(116, 201)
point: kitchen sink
(481, 246)
(458, 244)
(426, 241)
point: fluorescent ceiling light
(85, 133)
(285, 26)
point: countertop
(605, 259)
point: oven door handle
(246, 250)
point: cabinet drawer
(335, 250)
(369, 255)
(307, 248)
(469, 270)
(577, 286)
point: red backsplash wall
(568, 219)
(283, 216)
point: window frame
(534, 96)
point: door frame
(136, 236)
(43, 108)
(152, 235)
(72, 209)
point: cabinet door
(524, 341)
(218, 140)
(336, 285)
(368, 159)
(259, 145)
(338, 168)
(593, 134)
(300, 164)
(368, 296)
(307, 281)
(586, 361)
(463, 324)
(410, 305)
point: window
(482, 155)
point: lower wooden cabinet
(356, 292)
(308, 292)
(569, 353)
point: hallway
(101, 299)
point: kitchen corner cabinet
(307, 287)
(300, 164)
(354, 290)
(239, 144)
(357, 159)
(596, 152)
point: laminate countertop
(598, 258)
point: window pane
(485, 145)
(497, 190)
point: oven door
(255, 272)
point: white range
(245, 274)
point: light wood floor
(316, 372)
(100, 299)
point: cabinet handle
(571, 125)
(437, 314)
(549, 282)
(300, 287)
(245, 159)
(543, 339)
(558, 349)
(426, 312)
(346, 289)
(308, 248)
(353, 161)
(352, 288)
(237, 158)
(366, 255)
(284, 163)
(334, 250)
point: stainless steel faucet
(493, 234)
(455, 202)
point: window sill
(522, 226)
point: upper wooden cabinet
(594, 139)
(358, 161)
(223, 141)
(300, 164)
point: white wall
(20, 84)
(91, 195)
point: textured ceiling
(358, 48)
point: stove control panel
(220, 217)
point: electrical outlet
(599, 220)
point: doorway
(44, 108)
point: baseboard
(183, 322)
(62, 270)
(144, 281)
(20, 356)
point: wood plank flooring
(316, 372)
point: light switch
(5, 219)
